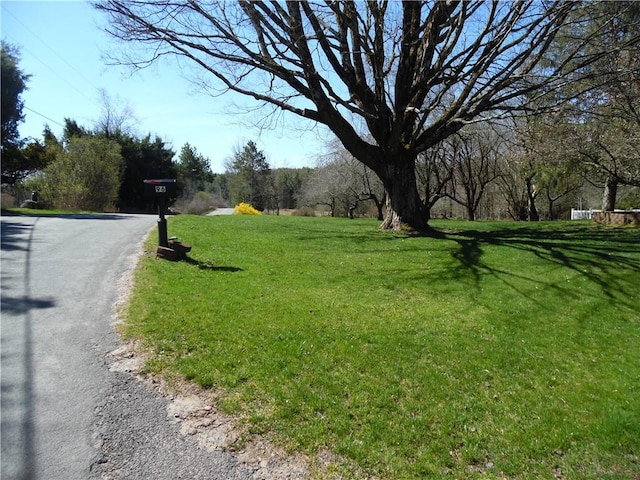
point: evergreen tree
(194, 171)
(601, 117)
(249, 173)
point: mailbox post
(161, 190)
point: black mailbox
(161, 188)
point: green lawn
(500, 350)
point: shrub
(201, 203)
(245, 209)
(84, 177)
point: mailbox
(161, 188)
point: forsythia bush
(245, 209)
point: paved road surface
(222, 211)
(64, 415)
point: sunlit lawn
(502, 349)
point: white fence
(582, 214)
(588, 214)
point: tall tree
(15, 164)
(390, 79)
(144, 158)
(73, 129)
(194, 170)
(249, 176)
(116, 116)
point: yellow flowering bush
(245, 209)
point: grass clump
(500, 350)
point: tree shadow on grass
(210, 266)
(596, 253)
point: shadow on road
(12, 235)
(21, 427)
(22, 305)
(71, 216)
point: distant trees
(414, 92)
(344, 185)
(82, 156)
(144, 158)
(286, 186)
(476, 153)
(200, 190)
(434, 173)
(542, 168)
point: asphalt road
(222, 211)
(64, 415)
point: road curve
(64, 415)
(222, 211)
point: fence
(583, 214)
(588, 214)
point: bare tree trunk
(352, 209)
(609, 196)
(533, 215)
(532, 211)
(404, 206)
(471, 213)
(550, 209)
(380, 206)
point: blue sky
(62, 47)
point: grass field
(501, 350)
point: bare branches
(390, 79)
(342, 58)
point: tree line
(474, 109)
(394, 81)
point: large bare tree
(389, 79)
